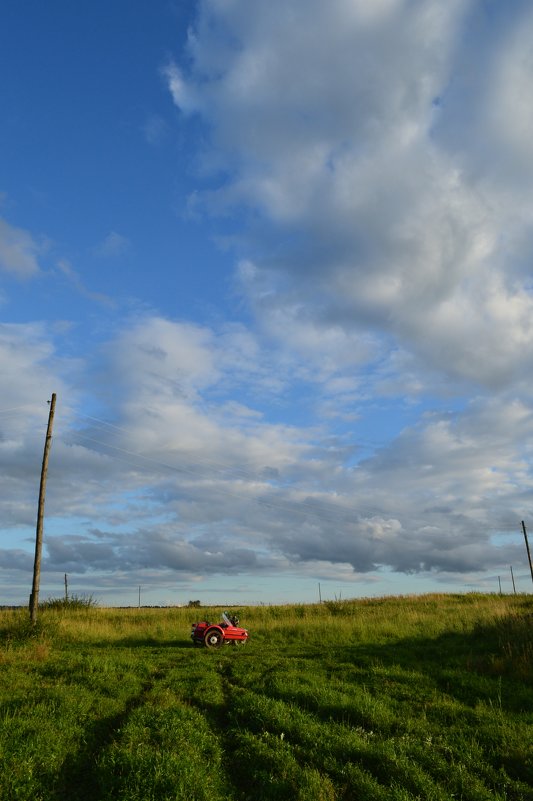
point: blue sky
(275, 261)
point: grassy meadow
(426, 697)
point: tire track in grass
(253, 770)
(286, 751)
(455, 761)
(372, 764)
(169, 748)
(79, 778)
(208, 689)
(262, 766)
(155, 747)
(72, 702)
(166, 751)
(290, 732)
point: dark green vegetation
(73, 602)
(407, 698)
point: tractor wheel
(213, 638)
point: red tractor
(213, 635)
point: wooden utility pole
(34, 597)
(527, 549)
(512, 579)
(66, 588)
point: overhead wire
(207, 462)
(17, 408)
(312, 506)
(309, 506)
(254, 476)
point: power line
(16, 408)
(102, 422)
(308, 506)
(313, 506)
(190, 457)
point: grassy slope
(397, 698)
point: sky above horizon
(274, 258)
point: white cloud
(18, 251)
(329, 117)
(182, 94)
(26, 356)
(510, 104)
(179, 477)
(386, 258)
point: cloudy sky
(274, 258)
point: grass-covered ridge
(396, 698)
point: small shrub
(74, 602)
(338, 607)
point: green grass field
(397, 698)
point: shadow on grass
(79, 778)
(135, 642)
(492, 664)
(500, 650)
(471, 685)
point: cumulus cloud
(383, 194)
(332, 119)
(184, 97)
(181, 479)
(508, 107)
(26, 356)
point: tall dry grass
(334, 622)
